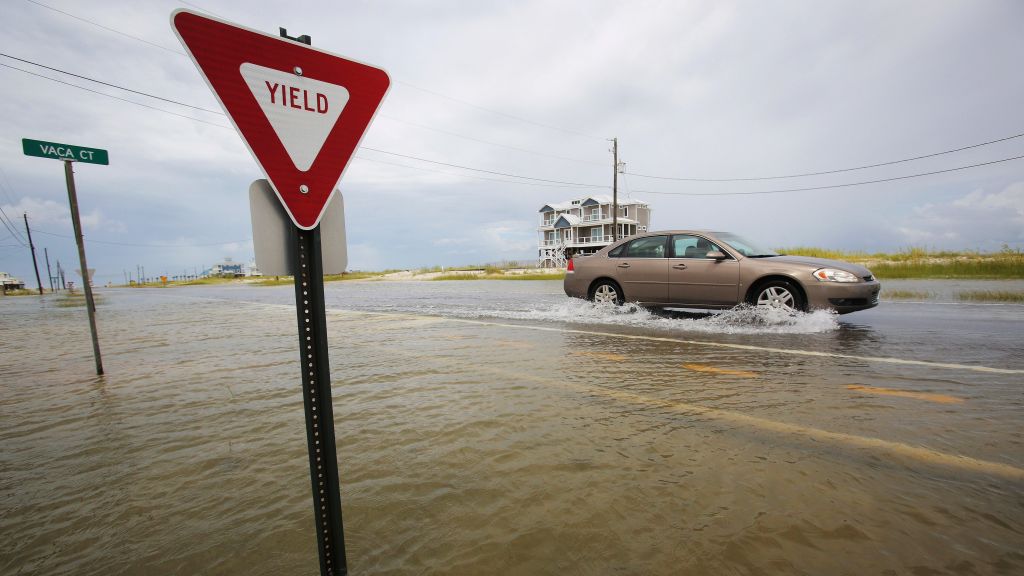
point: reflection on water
(497, 445)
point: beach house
(584, 226)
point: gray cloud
(708, 89)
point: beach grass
(991, 296)
(502, 275)
(921, 263)
(77, 299)
(906, 295)
(20, 292)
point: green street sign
(59, 151)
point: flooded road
(496, 427)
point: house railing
(593, 239)
(579, 240)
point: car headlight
(833, 275)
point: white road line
(712, 344)
(880, 359)
(918, 453)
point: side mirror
(715, 255)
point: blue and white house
(584, 226)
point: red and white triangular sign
(301, 111)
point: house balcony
(578, 242)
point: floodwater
(489, 427)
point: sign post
(68, 154)
(302, 112)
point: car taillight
(569, 267)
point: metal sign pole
(69, 175)
(316, 396)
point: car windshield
(744, 246)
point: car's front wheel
(606, 292)
(778, 294)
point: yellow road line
(918, 453)
(602, 355)
(926, 396)
(724, 371)
(897, 449)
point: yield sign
(301, 112)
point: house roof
(567, 221)
(595, 200)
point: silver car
(697, 269)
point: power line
(112, 96)
(438, 94)
(111, 85)
(11, 228)
(562, 182)
(15, 232)
(890, 163)
(136, 245)
(365, 159)
(463, 136)
(108, 29)
(574, 184)
(219, 113)
(831, 186)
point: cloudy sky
(534, 89)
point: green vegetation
(456, 276)
(991, 296)
(19, 292)
(77, 299)
(920, 263)
(906, 295)
(502, 275)
(356, 275)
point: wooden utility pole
(69, 175)
(49, 272)
(32, 249)
(615, 189)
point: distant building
(252, 269)
(8, 282)
(228, 268)
(584, 226)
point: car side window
(689, 246)
(617, 252)
(650, 247)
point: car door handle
(679, 266)
(624, 265)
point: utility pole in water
(32, 249)
(49, 273)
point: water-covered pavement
(497, 427)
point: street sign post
(69, 154)
(302, 113)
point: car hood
(820, 263)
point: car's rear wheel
(606, 292)
(778, 294)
